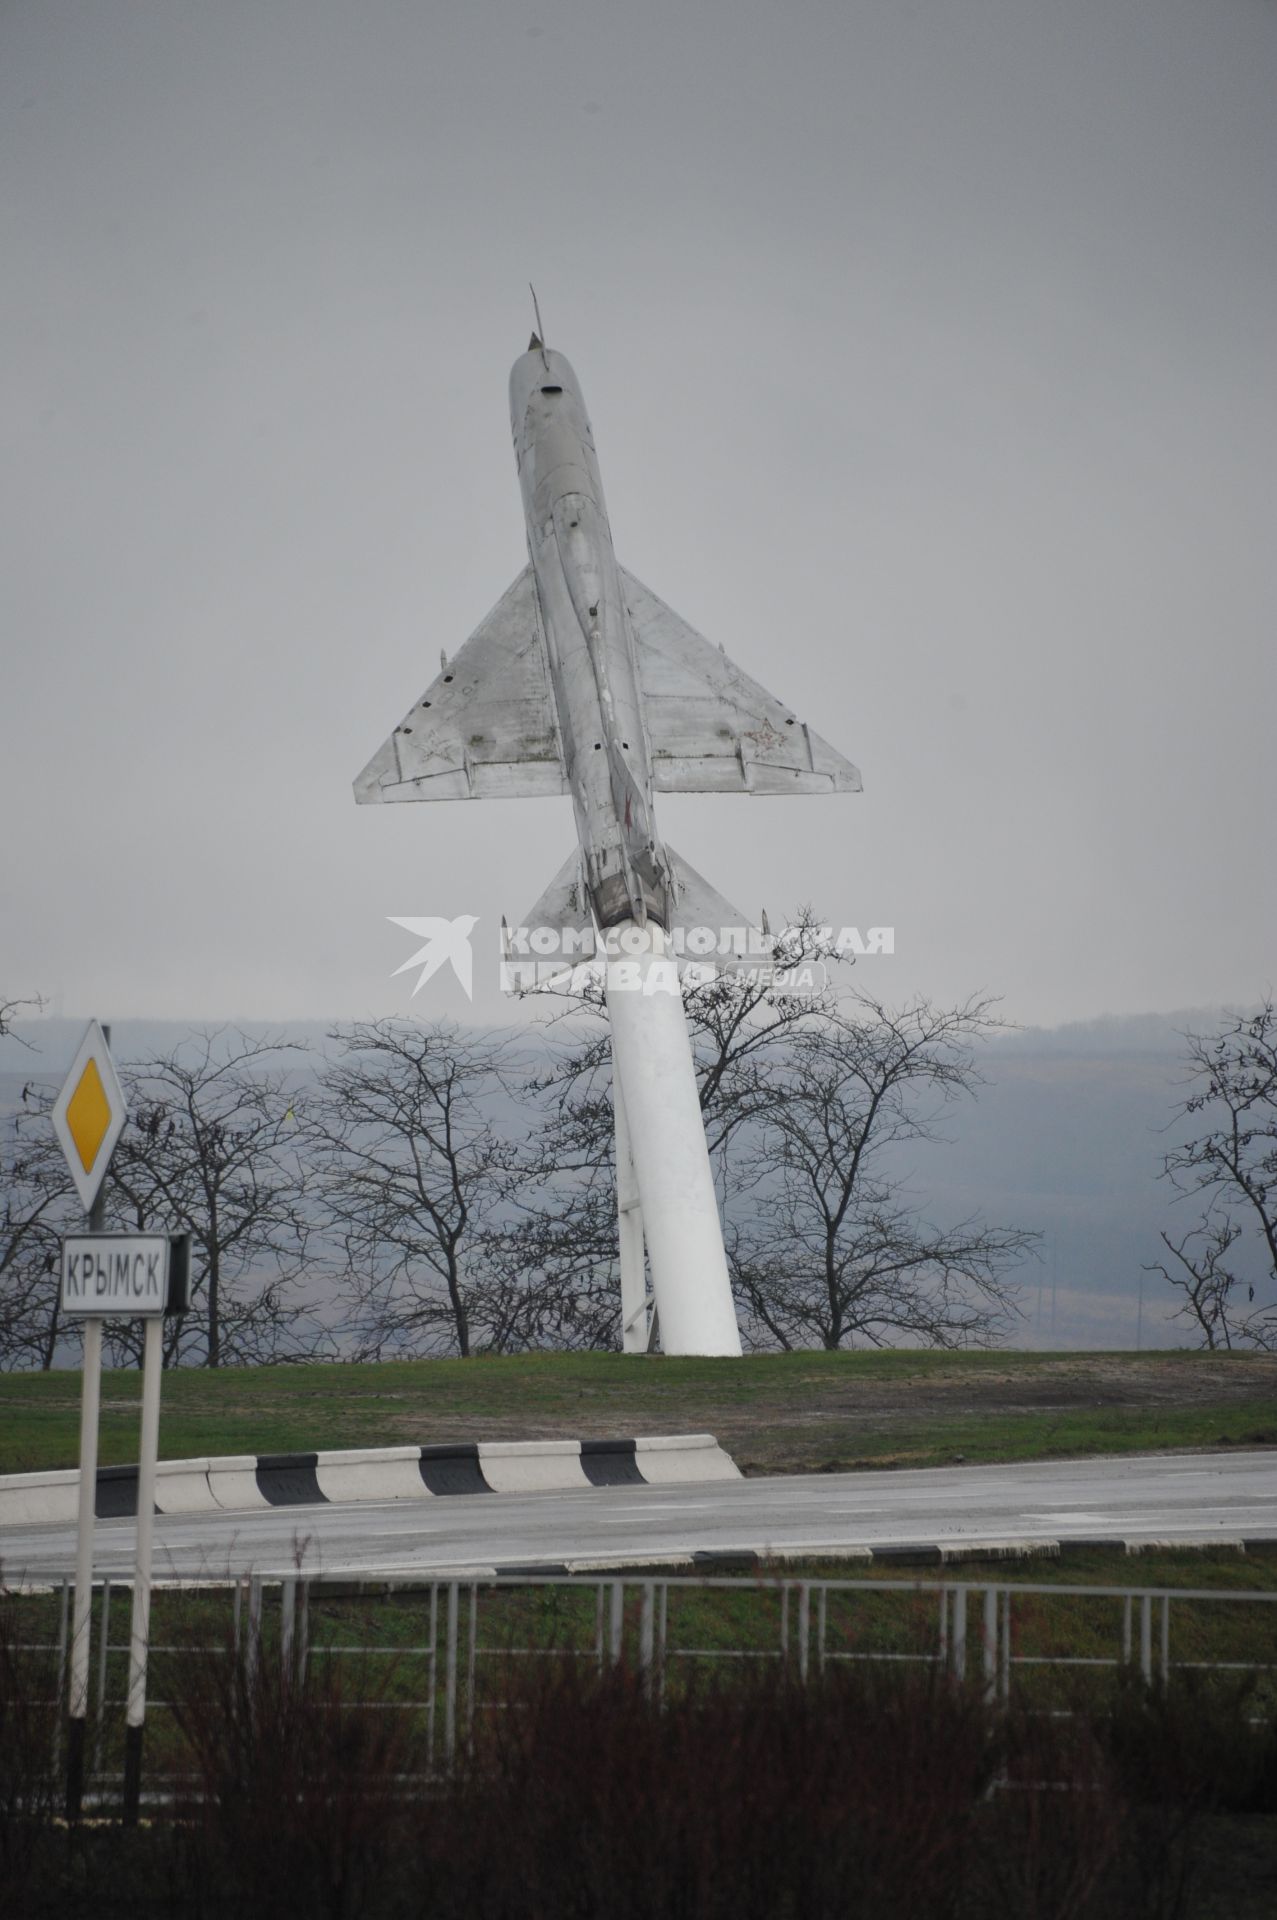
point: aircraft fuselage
(588, 642)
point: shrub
(298, 1798)
(29, 1775)
(852, 1795)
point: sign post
(122, 1276)
(111, 1276)
(176, 1283)
(88, 1118)
(81, 1609)
(139, 1632)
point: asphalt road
(1180, 1497)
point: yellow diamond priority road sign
(89, 1114)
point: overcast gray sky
(930, 353)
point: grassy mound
(774, 1412)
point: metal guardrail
(972, 1633)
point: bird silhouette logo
(447, 943)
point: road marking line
(1074, 1519)
(856, 1512)
(662, 1506)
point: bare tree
(211, 1147)
(552, 1255)
(11, 1009)
(561, 1232)
(418, 1151)
(1231, 1168)
(38, 1207)
(826, 1246)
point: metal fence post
(822, 1622)
(64, 1616)
(450, 1676)
(990, 1643)
(958, 1638)
(617, 1622)
(434, 1672)
(105, 1634)
(647, 1635)
(253, 1645)
(1166, 1638)
(303, 1630)
(1005, 1648)
(287, 1623)
(784, 1625)
(470, 1663)
(1126, 1631)
(662, 1635)
(1146, 1637)
(804, 1630)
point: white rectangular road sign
(115, 1276)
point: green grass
(776, 1413)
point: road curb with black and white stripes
(882, 1560)
(245, 1483)
(904, 1557)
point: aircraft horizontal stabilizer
(700, 912)
(710, 728)
(713, 932)
(486, 726)
(564, 910)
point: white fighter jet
(580, 681)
